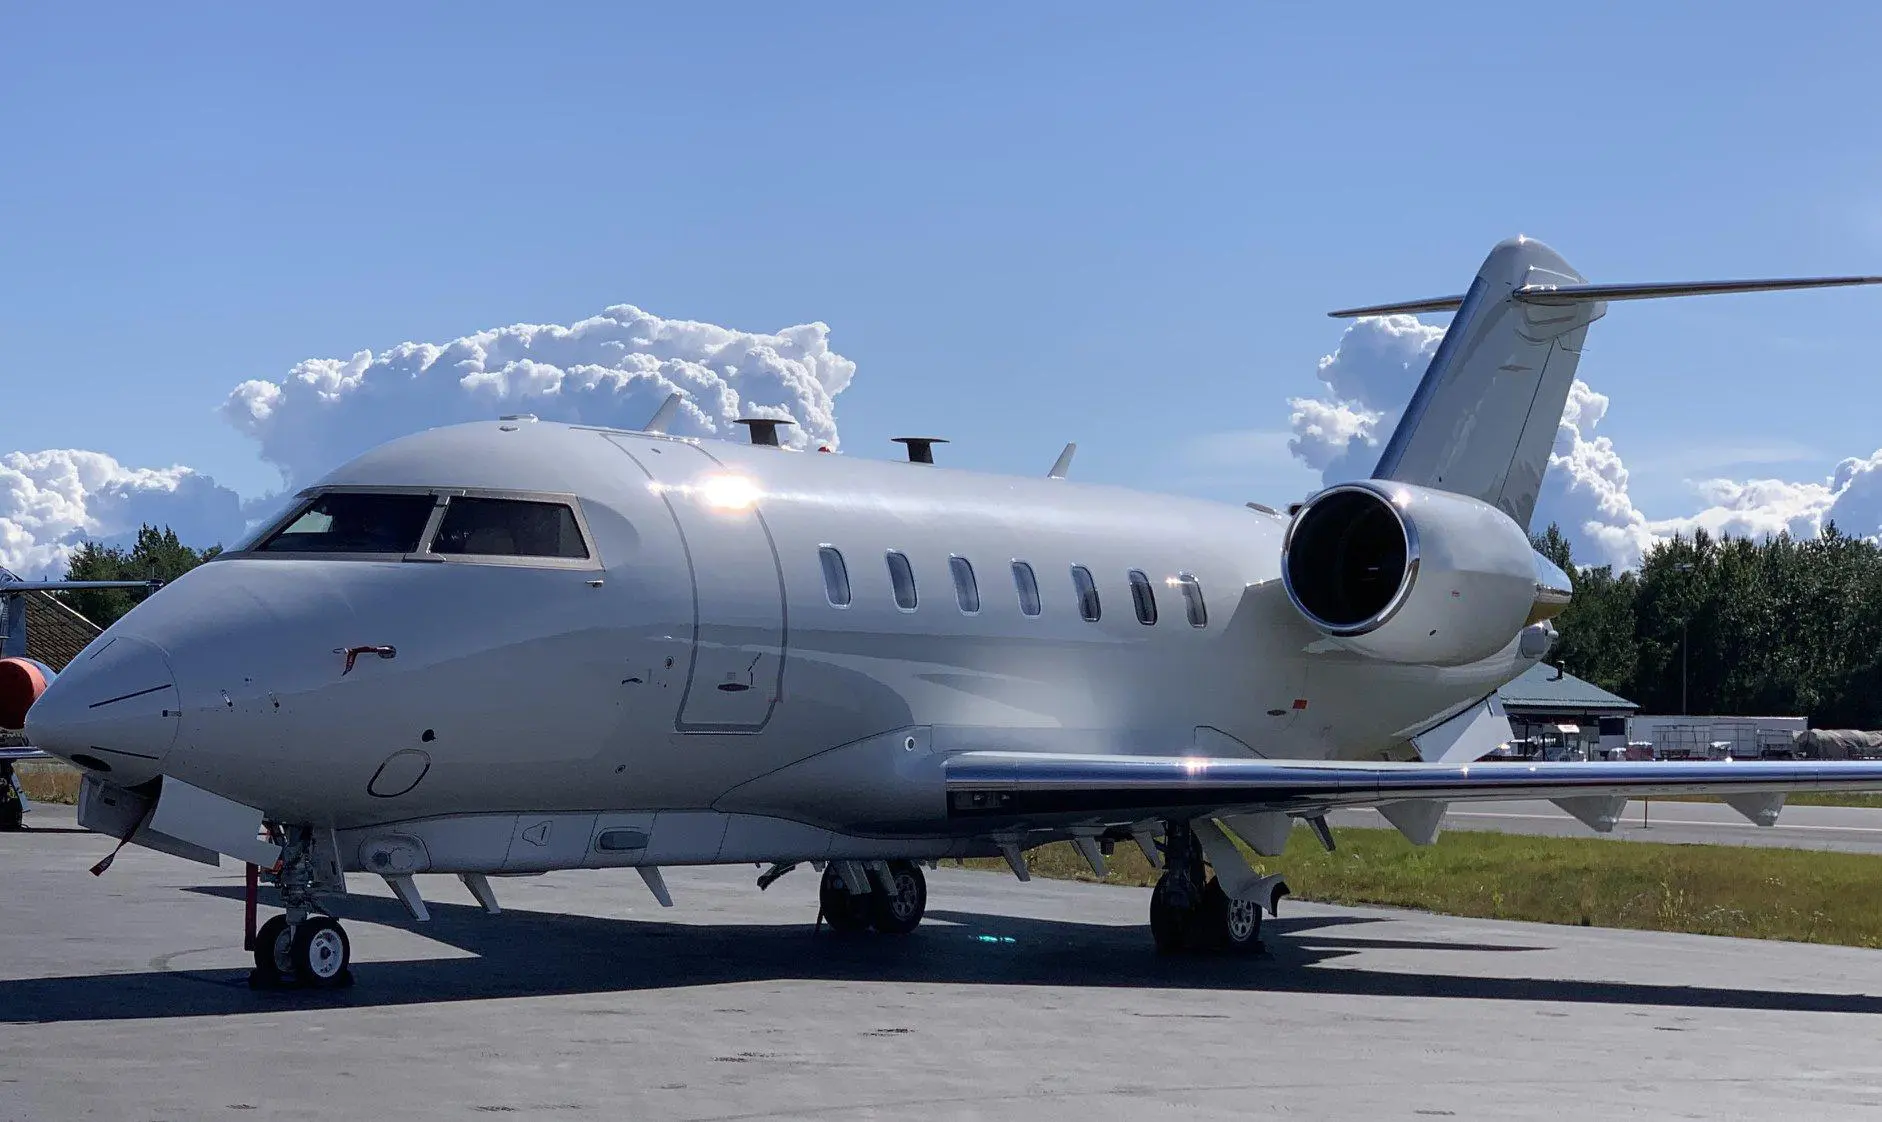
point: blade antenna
(1063, 464)
(663, 416)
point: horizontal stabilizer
(1559, 295)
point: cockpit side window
(509, 528)
(354, 522)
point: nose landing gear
(302, 947)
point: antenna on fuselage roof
(663, 416)
(1063, 464)
(764, 430)
(920, 448)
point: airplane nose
(114, 710)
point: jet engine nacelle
(22, 680)
(1408, 574)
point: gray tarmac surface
(1848, 829)
(124, 997)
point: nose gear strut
(305, 946)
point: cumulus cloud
(613, 369)
(1369, 379)
(53, 500)
(1851, 497)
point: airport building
(45, 629)
(1555, 715)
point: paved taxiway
(1849, 829)
(124, 997)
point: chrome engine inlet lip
(1385, 492)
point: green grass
(1799, 798)
(1796, 895)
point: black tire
(901, 913)
(1233, 925)
(12, 812)
(322, 954)
(274, 948)
(1169, 925)
(844, 912)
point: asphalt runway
(1848, 829)
(124, 997)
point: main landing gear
(890, 896)
(302, 947)
(1190, 910)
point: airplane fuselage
(696, 659)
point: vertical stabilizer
(1484, 417)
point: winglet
(1063, 464)
(663, 416)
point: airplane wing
(1059, 789)
(22, 752)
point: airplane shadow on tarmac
(534, 954)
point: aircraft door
(737, 666)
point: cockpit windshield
(354, 522)
(509, 528)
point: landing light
(728, 492)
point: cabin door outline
(730, 687)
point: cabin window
(354, 522)
(966, 589)
(1143, 597)
(1087, 593)
(481, 527)
(836, 576)
(902, 577)
(1192, 599)
(1028, 587)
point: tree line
(1725, 625)
(155, 555)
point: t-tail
(1484, 417)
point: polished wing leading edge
(1056, 790)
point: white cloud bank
(51, 501)
(613, 369)
(1371, 374)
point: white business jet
(513, 647)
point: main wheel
(274, 948)
(1233, 925)
(899, 914)
(843, 911)
(1169, 924)
(321, 953)
(12, 811)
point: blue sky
(1098, 222)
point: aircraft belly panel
(737, 662)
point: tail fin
(1484, 416)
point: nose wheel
(314, 953)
